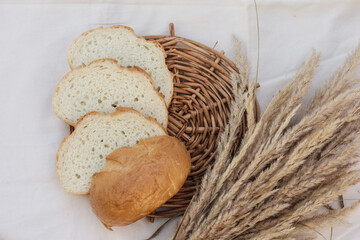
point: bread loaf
(103, 86)
(83, 153)
(121, 43)
(137, 180)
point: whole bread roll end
(137, 180)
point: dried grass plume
(275, 186)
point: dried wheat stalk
(284, 172)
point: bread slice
(83, 153)
(121, 43)
(103, 86)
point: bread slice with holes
(102, 86)
(121, 43)
(83, 153)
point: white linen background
(34, 38)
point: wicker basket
(198, 111)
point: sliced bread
(103, 86)
(83, 153)
(121, 43)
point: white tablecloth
(34, 38)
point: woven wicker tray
(199, 110)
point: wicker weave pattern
(199, 109)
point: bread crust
(115, 62)
(119, 111)
(155, 43)
(137, 180)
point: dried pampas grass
(277, 184)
